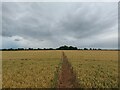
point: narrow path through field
(66, 78)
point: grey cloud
(89, 22)
(16, 39)
(55, 24)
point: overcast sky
(50, 25)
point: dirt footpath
(66, 78)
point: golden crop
(38, 69)
(95, 69)
(29, 69)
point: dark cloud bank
(54, 24)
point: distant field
(23, 69)
(95, 68)
(0, 69)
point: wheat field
(29, 69)
(38, 69)
(95, 69)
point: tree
(99, 49)
(30, 48)
(39, 49)
(90, 48)
(20, 48)
(66, 48)
(85, 49)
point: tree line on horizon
(60, 48)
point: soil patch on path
(66, 78)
